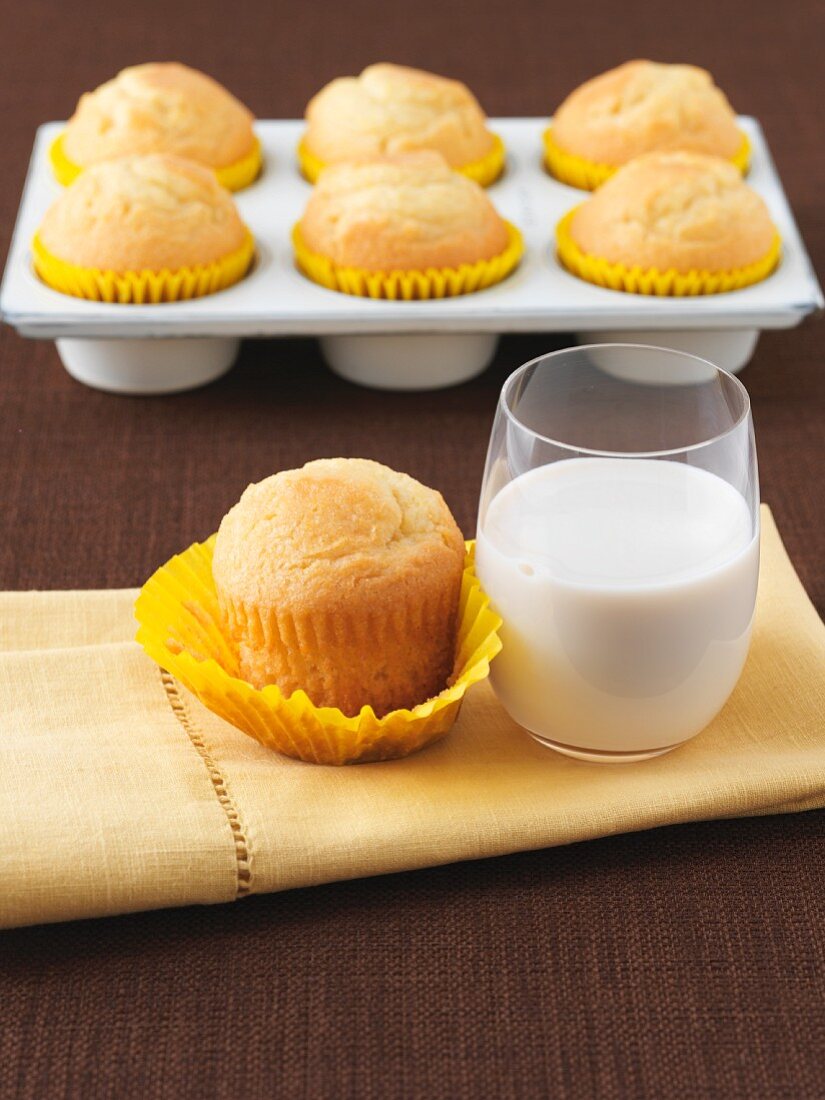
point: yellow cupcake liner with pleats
(142, 287)
(234, 177)
(484, 171)
(180, 628)
(587, 175)
(639, 280)
(432, 282)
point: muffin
(342, 579)
(408, 213)
(391, 109)
(161, 108)
(671, 223)
(143, 228)
(640, 107)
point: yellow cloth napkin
(120, 792)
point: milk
(627, 589)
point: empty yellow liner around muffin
(431, 283)
(234, 177)
(484, 171)
(587, 175)
(638, 280)
(180, 628)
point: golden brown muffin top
(643, 106)
(311, 538)
(675, 210)
(160, 107)
(394, 109)
(401, 213)
(143, 213)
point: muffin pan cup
(392, 344)
(140, 366)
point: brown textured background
(683, 962)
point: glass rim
(504, 402)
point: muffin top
(393, 109)
(404, 212)
(143, 213)
(676, 211)
(161, 107)
(644, 106)
(335, 529)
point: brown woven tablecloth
(682, 962)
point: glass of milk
(618, 538)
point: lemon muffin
(638, 108)
(342, 579)
(161, 107)
(673, 212)
(392, 109)
(143, 215)
(408, 213)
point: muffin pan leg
(409, 361)
(730, 349)
(148, 366)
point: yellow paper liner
(142, 287)
(180, 629)
(433, 282)
(484, 171)
(587, 175)
(234, 177)
(639, 280)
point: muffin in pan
(143, 229)
(671, 224)
(405, 226)
(342, 579)
(161, 107)
(640, 107)
(391, 109)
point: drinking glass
(618, 538)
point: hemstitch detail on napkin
(243, 854)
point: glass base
(602, 756)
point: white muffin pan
(393, 345)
